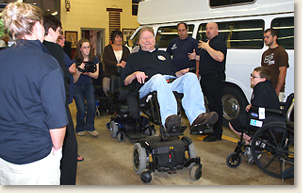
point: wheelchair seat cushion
(242, 122)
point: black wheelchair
(126, 120)
(101, 102)
(272, 146)
(166, 152)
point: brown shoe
(205, 118)
(172, 121)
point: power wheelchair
(167, 152)
(127, 121)
(272, 146)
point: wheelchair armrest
(270, 111)
(192, 69)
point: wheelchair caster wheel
(108, 125)
(146, 176)
(113, 129)
(97, 113)
(233, 160)
(121, 136)
(195, 172)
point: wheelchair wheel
(195, 172)
(139, 158)
(113, 129)
(121, 136)
(233, 160)
(273, 150)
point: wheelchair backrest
(289, 110)
(115, 83)
(288, 102)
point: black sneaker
(211, 138)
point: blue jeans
(188, 84)
(82, 93)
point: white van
(241, 25)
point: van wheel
(233, 103)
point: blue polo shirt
(32, 96)
(179, 49)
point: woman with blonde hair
(32, 115)
(87, 68)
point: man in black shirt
(153, 69)
(212, 72)
(69, 158)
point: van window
(246, 34)
(285, 27)
(215, 3)
(165, 35)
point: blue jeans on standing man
(82, 93)
(188, 84)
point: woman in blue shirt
(33, 116)
(83, 88)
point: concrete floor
(108, 162)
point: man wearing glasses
(263, 96)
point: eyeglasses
(60, 30)
(62, 38)
(253, 76)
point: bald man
(212, 73)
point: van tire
(233, 103)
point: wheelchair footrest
(202, 130)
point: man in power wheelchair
(266, 130)
(154, 71)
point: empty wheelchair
(167, 152)
(272, 146)
(126, 120)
